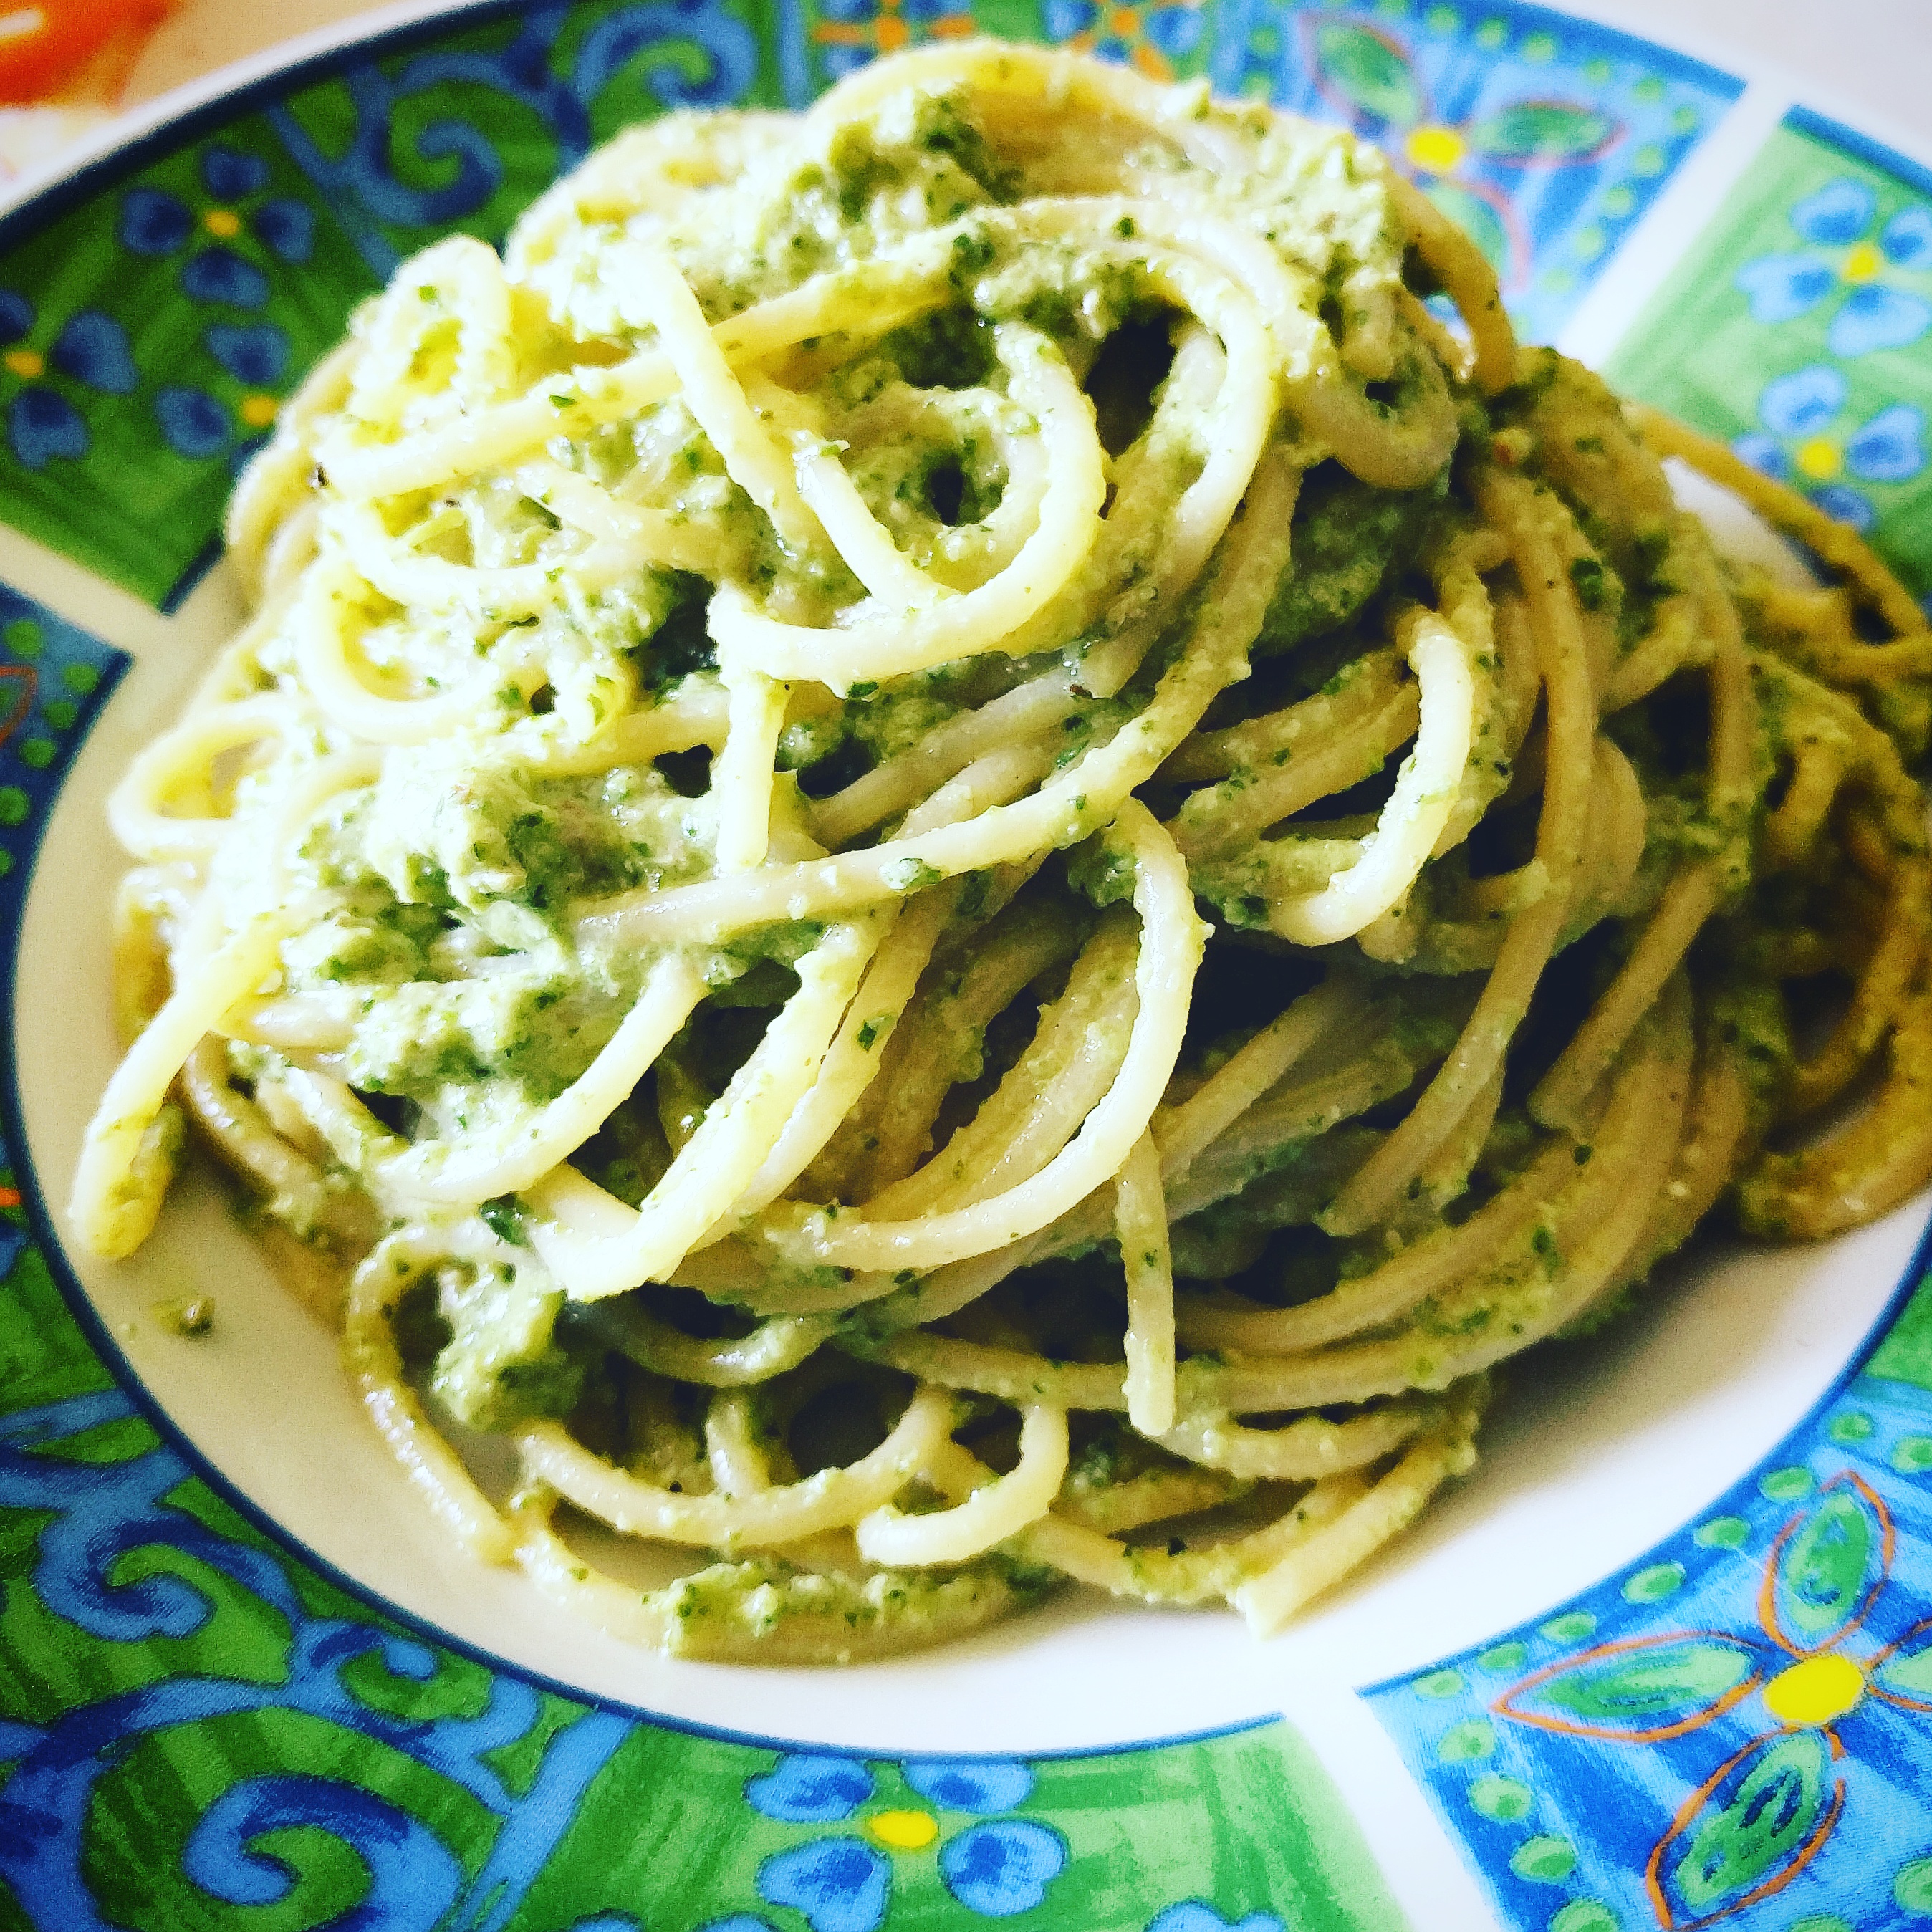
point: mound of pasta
(963, 843)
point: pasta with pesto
(962, 842)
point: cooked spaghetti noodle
(684, 907)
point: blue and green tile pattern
(1734, 1730)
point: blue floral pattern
(160, 226)
(1196, 1916)
(1804, 437)
(1163, 41)
(91, 349)
(1733, 1729)
(1873, 279)
(842, 1881)
(1877, 280)
(1545, 137)
(558, 64)
(1799, 330)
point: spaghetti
(684, 906)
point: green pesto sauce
(501, 1365)
(1350, 538)
(447, 886)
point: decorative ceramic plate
(1664, 1661)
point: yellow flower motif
(1820, 458)
(222, 221)
(25, 362)
(1862, 263)
(1764, 1813)
(1434, 150)
(903, 1830)
(1815, 1691)
(259, 410)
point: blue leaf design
(154, 222)
(1848, 506)
(803, 1789)
(287, 229)
(257, 353)
(229, 175)
(1877, 318)
(1176, 31)
(999, 1871)
(16, 315)
(1803, 402)
(1195, 1914)
(1783, 287)
(1064, 19)
(220, 275)
(841, 1884)
(93, 349)
(850, 12)
(194, 424)
(1890, 448)
(41, 425)
(839, 62)
(739, 1921)
(730, 49)
(224, 1855)
(1764, 453)
(1906, 239)
(1836, 214)
(969, 1784)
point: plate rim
(32, 199)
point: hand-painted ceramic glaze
(204, 1723)
(1744, 1717)
(1801, 332)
